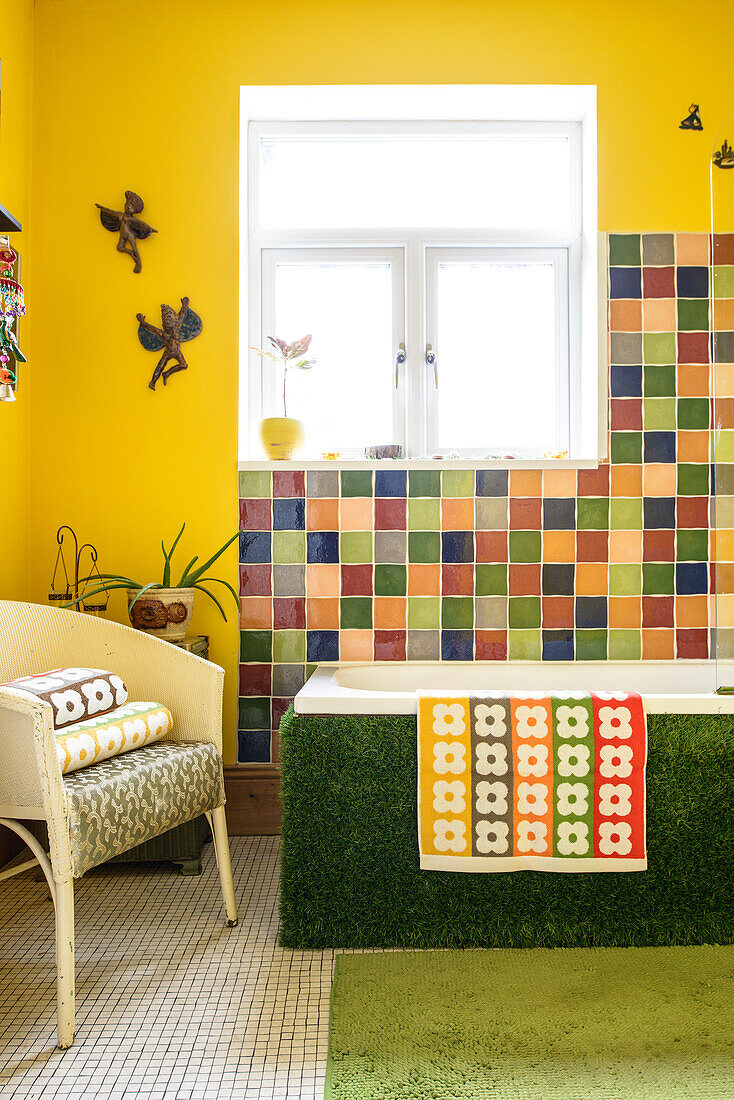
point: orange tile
(559, 483)
(724, 545)
(724, 379)
(725, 611)
(725, 577)
(693, 380)
(390, 612)
(322, 614)
(625, 546)
(559, 546)
(457, 514)
(355, 645)
(625, 612)
(322, 580)
(591, 578)
(724, 314)
(658, 479)
(626, 481)
(625, 315)
(693, 446)
(658, 645)
(322, 514)
(424, 580)
(659, 315)
(691, 611)
(692, 248)
(256, 613)
(356, 514)
(526, 483)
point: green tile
(692, 545)
(591, 645)
(724, 444)
(356, 613)
(355, 547)
(625, 645)
(625, 513)
(625, 580)
(289, 646)
(424, 483)
(254, 713)
(457, 483)
(289, 547)
(524, 612)
(457, 613)
(254, 483)
(693, 314)
(356, 483)
(693, 413)
(256, 645)
(491, 580)
(724, 282)
(693, 479)
(626, 447)
(659, 414)
(592, 513)
(424, 546)
(524, 645)
(659, 381)
(390, 580)
(310, 669)
(658, 578)
(624, 250)
(658, 347)
(424, 514)
(424, 612)
(524, 546)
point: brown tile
(490, 645)
(557, 612)
(692, 512)
(724, 412)
(658, 546)
(457, 580)
(356, 580)
(658, 282)
(626, 414)
(592, 545)
(594, 483)
(255, 580)
(390, 645)
(723, 249)
(625, 315)
(524, 580)
(525, 513)
(657, 611)
(691, 611)
(491, 546)
(693, 347)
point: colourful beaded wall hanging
(12, 306)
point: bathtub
(668, 687)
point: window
(446, 267)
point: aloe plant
(192, 577)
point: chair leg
(218, 822)
(65, 963)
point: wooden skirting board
(253, 799)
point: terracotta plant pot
(281, 436)
(163, 611)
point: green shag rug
(650, 1023)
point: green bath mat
(647, 1023)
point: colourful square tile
(356, 613)
(254, 713)
(322, 645)
(693, 314)
(424, 483)
(559, 546)
(659, 314)
(591, 612)
(591, 645)
(457, 483)
(693, 480)
(289, 547)
(424, 612)
(626, 513)
(658, 645)
(457, 579)
(625, 282)
(289, 483)
(625, 579)
(491, 613)
(626, 447)
(254, 483)
(658, 347)
(524, 612)
(558, 579)
(524, 579)
(424, 546)
(491, 546)
(390, 514)
(525, 513)
(625, 612)
(558, 645)
(658, 249)
(525, 546)
(524, 645)
(255, 514)
(692, 248)
(424, 580)
(424, 645)
(255, 547)
(289, 613)
(356, 514)
(625, 380)
(322, 483)
(660, 380)
(355, 547)
(557, 612)
(253, 746)
(693, 413)
(289, 646)
(657, 579)
(526, 483)
(693, 347)
(390, 645)
(491, 580)
(692, 545)
(391, 483)
(256, 645)
(391, 546)
(491, 513)
(490, 645)
(660, 479)
(356, 580)
(356, 645)
(322, 613)
(457, 546)
(256, 613)
(356, 483)
(658, 282)
(322, 580)
(322, 513)
(625, 315)
(594, 483)
(457, 645)
(255, 580)
(492, 483)
(625, 645)
(424, 514)
(659, 413)
(255, 679)
(457, 513)
(289, 514)
(457, 613)
(625, 546)
(390, 580)
(658, 546)
(624, 249)
(289, 580)
(592, 513)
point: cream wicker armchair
(187, 765)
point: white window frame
(573, 107)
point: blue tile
(457, 546)
(691, 578)
(659, 446)
(457, 645)
(253, 746)
(322, 645)
(625, 282)
(492, 483)
(626, 381)
(591, 611)
(693, 282)
(557, 645)
(559, 513)
(391, 483)
(289, 514)
(659, 512)
(322, 547)
(254, 547)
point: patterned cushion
(74, 693)
(129, 799)
(128, 727)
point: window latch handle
(399, 360)
(432, 361)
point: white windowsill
(420, 464)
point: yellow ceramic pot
(281, 436)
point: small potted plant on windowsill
(282, 435)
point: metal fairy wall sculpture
(176, 328)
(130, 227)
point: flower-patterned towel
(511, 782)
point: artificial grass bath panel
(350, 874)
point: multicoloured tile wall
(491, 565)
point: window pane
(496, 342)
(519, 181)
(345, 401)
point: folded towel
(511, 782)
(108, 735)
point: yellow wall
(143, 94)
(16, 75)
